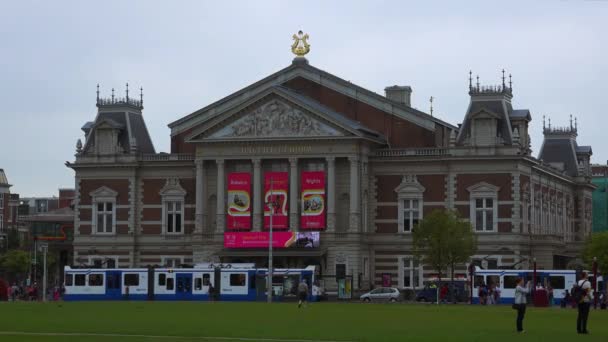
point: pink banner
(239, 201)
(276, 193)
(313, 200)
(279, 239)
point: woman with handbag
(520, 302)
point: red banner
(279, 240)
(313, 200)
(239, 201)
(280, 184)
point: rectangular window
(96, 279)
(1, 201)
(170, 283)
(484, 214)
(411, 213)
(131, 279)
(479, 280)
(206, 279)
(172, 262)
(79, 280)
(162, 279)
(69, 279)
(493, 280)
(510, 282)
(238, 279)
(174, 217)
(1, 223)
(105, 218)
(412, 270)
(198, 283)
(557, 282)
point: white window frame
(165, 258)
(169, 209)
(103, 195)
(170, 193)
(408, 190)
(483, 191)
(2, 224)
(411, 269)
(1, 200)
(103, 258)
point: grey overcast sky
(187, 54)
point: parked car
(382, 294)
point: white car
(382, 294)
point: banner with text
(313, 200)
(279, 239)
(239, 201)
(279, 183)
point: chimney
(401, 94)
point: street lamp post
(269, 280)
(534, 281)
(44, 251)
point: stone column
(257, 194)
(293, 194)
(221, 202)
(354, 193)
(331, 194)
(200, 197)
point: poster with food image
(313, 200)
(276, 185)
(239, 201)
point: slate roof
(583, 149)
(3, 179)
(520, 114)
(132, 125)
(500, 107)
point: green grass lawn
(191, 321)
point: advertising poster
(279, 239)
(278, 198)
(313, 200)
(239, 201)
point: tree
(16, 262)
(443, 240)
(597, 246)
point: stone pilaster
(221, 202)
(257, 194)
(293, 194)
(331, 194)
(354, 194)
(516, 211)
(200, 197)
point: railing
(119, 100)
(167, 157)
(411, 152)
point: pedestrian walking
(302, 293)
(520, 302)
(211, 292)
(583, 298)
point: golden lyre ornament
(300, 46)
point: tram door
(113, 284)
(183, 288)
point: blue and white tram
(231, 282)
(505, 281)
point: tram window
(170, 283)
(510, 282)
(557, 282)
(479, 281)
(79, 280)
(95, 279)
(69, 279)
(162, 279)
(206, 279)
(237, 279)
(198, 283)
(131, 279)
(493, 280)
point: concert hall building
(347, 172)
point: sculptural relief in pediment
(276, 118)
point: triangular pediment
(172, 188)
(104, 192)
(485, 113)
(409, 186)
(483, 187)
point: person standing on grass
(584, 304)
(302, 293)
(520, 302)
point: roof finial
(112, 95)
(510, 84)
(570, 121)
(477, 82)
(141, 96)
(549, 123)
(431, 101)
(127, 92)
(543, 122)
(504, 86)
(97, 92)
(470, 80)
(575, 123)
